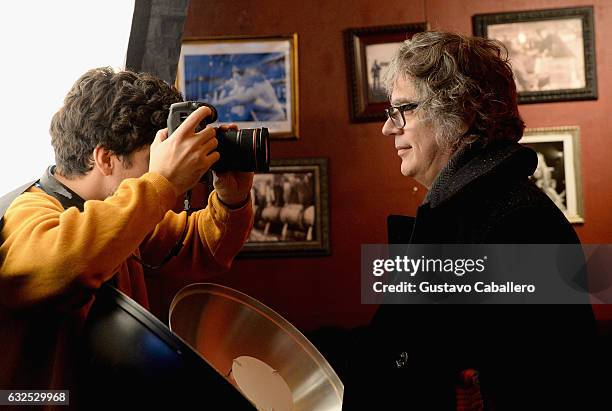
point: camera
(247, 149)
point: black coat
(520, 351)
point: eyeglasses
(396, 113)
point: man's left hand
(233, 187)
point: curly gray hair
(461, 82)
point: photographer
(102, 212)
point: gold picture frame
(252, 81)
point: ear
(103, 160)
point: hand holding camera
(233, 187)
(185, 157)
(238, 152)
(241, 150)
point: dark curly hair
(461, 81)
(120, 111)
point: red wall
(364, 178)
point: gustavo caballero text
(428, 287)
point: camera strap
(50, 185)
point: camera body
(247, 149)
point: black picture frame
(366, 103)
(544, 50)
(291, 210)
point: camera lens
(247, 149)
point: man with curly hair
(103, 211)
(455, 124)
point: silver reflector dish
(224, 325)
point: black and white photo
(558, 170)
(368, 53)
(290, 207)
(378, 57)
(545, 55)
(552, 52)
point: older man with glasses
(455, 124)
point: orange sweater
(52, 259)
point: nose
(389, 128)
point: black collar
(475, 161)
(50, 185)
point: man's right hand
(186, 155)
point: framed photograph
(369, 51)
(291, 210)
(252, 81)
(558, 172)
(552, 52)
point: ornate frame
(356, 40)
(281, 217)
(481, 23)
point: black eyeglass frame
(390, 111)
